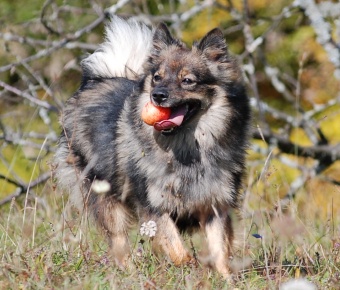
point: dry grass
(41, 248)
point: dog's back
(109, 75)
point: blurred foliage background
(289, 51)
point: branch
(22, 188)
(27, 96)
(325, 154)
(56, 45)
(34, 42)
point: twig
(113, 9)
(27, 96)
(9, 180)
(43, 20)
(325, 154)
(35, 42)
(22, 188)
(56, 45)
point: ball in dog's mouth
(152, 114)
(175, 119)
(163, 118)
(166, 119)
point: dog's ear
(214, 46)
(162, 38)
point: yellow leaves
(270, 183)
(330, 125)
(299, 137)
(322, 199)
(206, 20)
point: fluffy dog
(183, 173)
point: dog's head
(187, 80)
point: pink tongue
(176, 119)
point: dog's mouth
(180, 114)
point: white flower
(298, 284)
(148, 229)
(100, 186)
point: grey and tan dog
(182, 176)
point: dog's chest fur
(178, 174)
(183, 188)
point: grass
(41, 247)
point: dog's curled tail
(125, 49)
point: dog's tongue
(176, 119)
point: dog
(183, 174)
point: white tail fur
(123, 52)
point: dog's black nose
(160, 95)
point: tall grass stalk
(31, 178)
(7, 227)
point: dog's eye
(187, 81)
(157, 78)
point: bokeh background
(289, 50)
(290, 55)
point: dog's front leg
(219, 234)
(168, 239)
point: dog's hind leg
(169, 240)
(114, 219)
(219, 234)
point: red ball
(152, 114)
